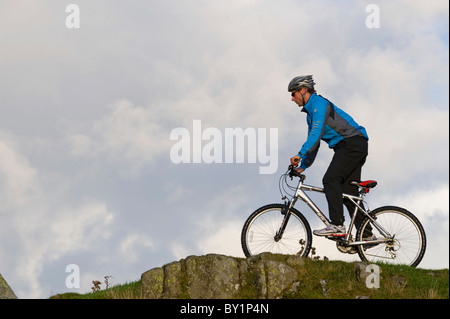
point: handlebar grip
(293, 173)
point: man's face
(298, 98)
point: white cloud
(219, 231)
(128, 134)
(424, 202)
(128, 247)
(51, 237)
(431, 206)
(44, 228)
(416, 15)
(78, 228)
(81, 145)
(17, 178)
(225, 239)
(179, 251)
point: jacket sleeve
(309, 159)
(319, 114)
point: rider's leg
(350, 189)
(349, 155)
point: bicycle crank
(345, 249)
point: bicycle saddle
(365, 185)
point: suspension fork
(286, 212)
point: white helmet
(301, 81)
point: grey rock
(221, 277)
(5, 291)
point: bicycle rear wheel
(260, 230)
(407, 245)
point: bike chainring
(343, 248)
(342, 245)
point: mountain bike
(386, 234)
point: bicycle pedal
(339, 235)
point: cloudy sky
(86, 173)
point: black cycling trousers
(349, 157)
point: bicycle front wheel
(407, 242)
(259, 233)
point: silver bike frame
(354, 199)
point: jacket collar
(307, 106)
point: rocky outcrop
(222, 277)
(5, 291)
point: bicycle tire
(409, 244)
(258, 232)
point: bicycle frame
(356, 200)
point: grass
(323, 279)
(396, 282)
(130, 290)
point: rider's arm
(309, 159)
(319, 114)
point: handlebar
(293, 172)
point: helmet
(301, 81)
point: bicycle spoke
(260, 233)
(407, 244)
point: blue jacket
(328, 123)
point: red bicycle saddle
(368, 184)
(365, 185)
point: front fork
(286, 212)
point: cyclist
(342, 134)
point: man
(342, 134)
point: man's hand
(295, 160)
(298, 169)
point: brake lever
(290, 169)
(293, 173)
